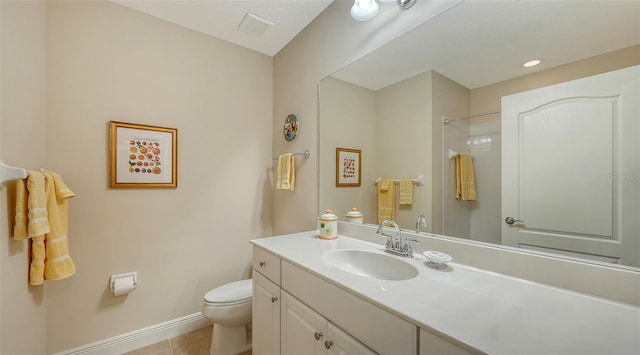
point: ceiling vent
(254, 24)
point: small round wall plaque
(291, 127)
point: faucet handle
(406, 246)
(388, 236)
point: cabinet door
(266, 316)
(431, 344)
(341, 343)
(303, 330)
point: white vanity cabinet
(296, 312)
(304, 331)
(379, 330)
(266, 303)
(424, 315)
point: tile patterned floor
(194, 343)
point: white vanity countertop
(490, 312)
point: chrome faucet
(393, 241)
(421, 222)
(396, 245)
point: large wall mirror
(440, 90)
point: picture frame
(143, 156)
(348, 167)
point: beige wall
(22, 143)
(348, 112)
(450, 99)
(330, 42)
(403, 138)
(106, 62)
(389, 126)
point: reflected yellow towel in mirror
(465, 180)
(406, 191)
(386, 199)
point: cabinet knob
(262, 263)
(318, 335)
(274, 299)
(328, 344)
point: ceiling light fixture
(532, 63)
(405, 4)
(365, 10)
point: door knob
(274, 299)
(318, 335)
(511, 220)
(328, 344)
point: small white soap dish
(436, 259)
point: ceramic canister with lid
(355, 216)
(328, 225)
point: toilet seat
(233, 293)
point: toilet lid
(233, 292)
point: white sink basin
(371, 265)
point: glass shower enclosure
(479, 136)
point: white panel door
(266, 316)
(303, 330)
(571, 168)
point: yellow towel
(58, 263)
(38, 223)
(286, 172)
(406, 191)
(41, 216)
(62, 190)
(465, 180)
(22, 196)
(383, 184)
(386, 200)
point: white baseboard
(142, 337)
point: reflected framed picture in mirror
(348, 167)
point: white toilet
(229, 308)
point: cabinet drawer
(380, 330)
(267, 264)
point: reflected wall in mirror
(456, 67)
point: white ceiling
(481, 42)
(475, 43)
(221, 18)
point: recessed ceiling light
(532, 63)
